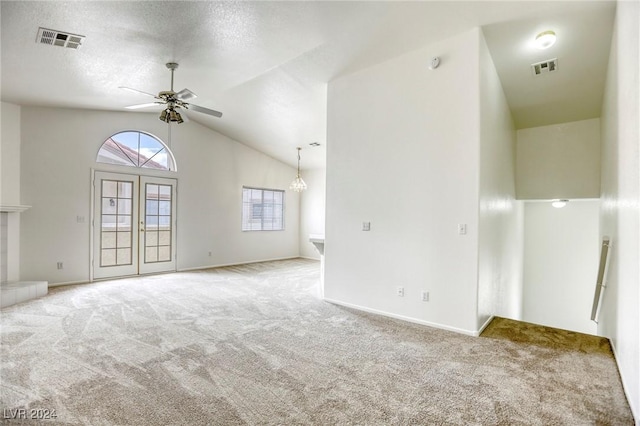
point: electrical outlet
(209, 254)
(366, 226)
(425, 296)
(400, 291)
(60, 265)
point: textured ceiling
(266, 65)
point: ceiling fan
(174, 101)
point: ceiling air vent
(543, 67)
(59, 38)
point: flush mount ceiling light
(298, 184)
(558, 204)
(545, 39)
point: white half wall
(403, 154)
(559, 161)
(312, 208)
(620, 213)
(500, 215)
(561, 255)
(59, 148)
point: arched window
(136, 149)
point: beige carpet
(255, 345)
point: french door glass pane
(116, 217)
(158, 223)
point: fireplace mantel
(13, 209)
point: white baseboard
(222, 265)
(197, 268)
(487, 322)
(404, 318)
(67, 283)
(309, 258)
(634, 409)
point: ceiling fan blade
(185, 95)
(137, 91)
(205, 110)
(143, 105)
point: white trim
(487, 322)
(68, 283)
(13, 209)
(223, 265)
(309, 258)
(634, 410)
(92, 194)
(403, 318)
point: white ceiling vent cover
(59, 38)
(550, 65)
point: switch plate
(60, 265)
(462, 229)
(425, 296)
(400, 291)
(366, 226)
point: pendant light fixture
(298, 184)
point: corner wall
(619, 318)
(312, 211)
(500, 215)
(10, 116)
(10, 154)
(403, 154)
(59, 148)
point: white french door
(134, 225)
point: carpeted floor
(255, 345)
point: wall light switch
(80, 219)
(462, 229)
(366, 226)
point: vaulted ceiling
(266, 65)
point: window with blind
(262, 209)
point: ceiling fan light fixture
(175, 117)
(173, 100)
(545, 39)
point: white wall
(620, 214)
(559, 161)
(9, 154)
(10, 185)
(403, 154)
(500, 232)
(59, 148)
(312, 207)
(561, 255)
